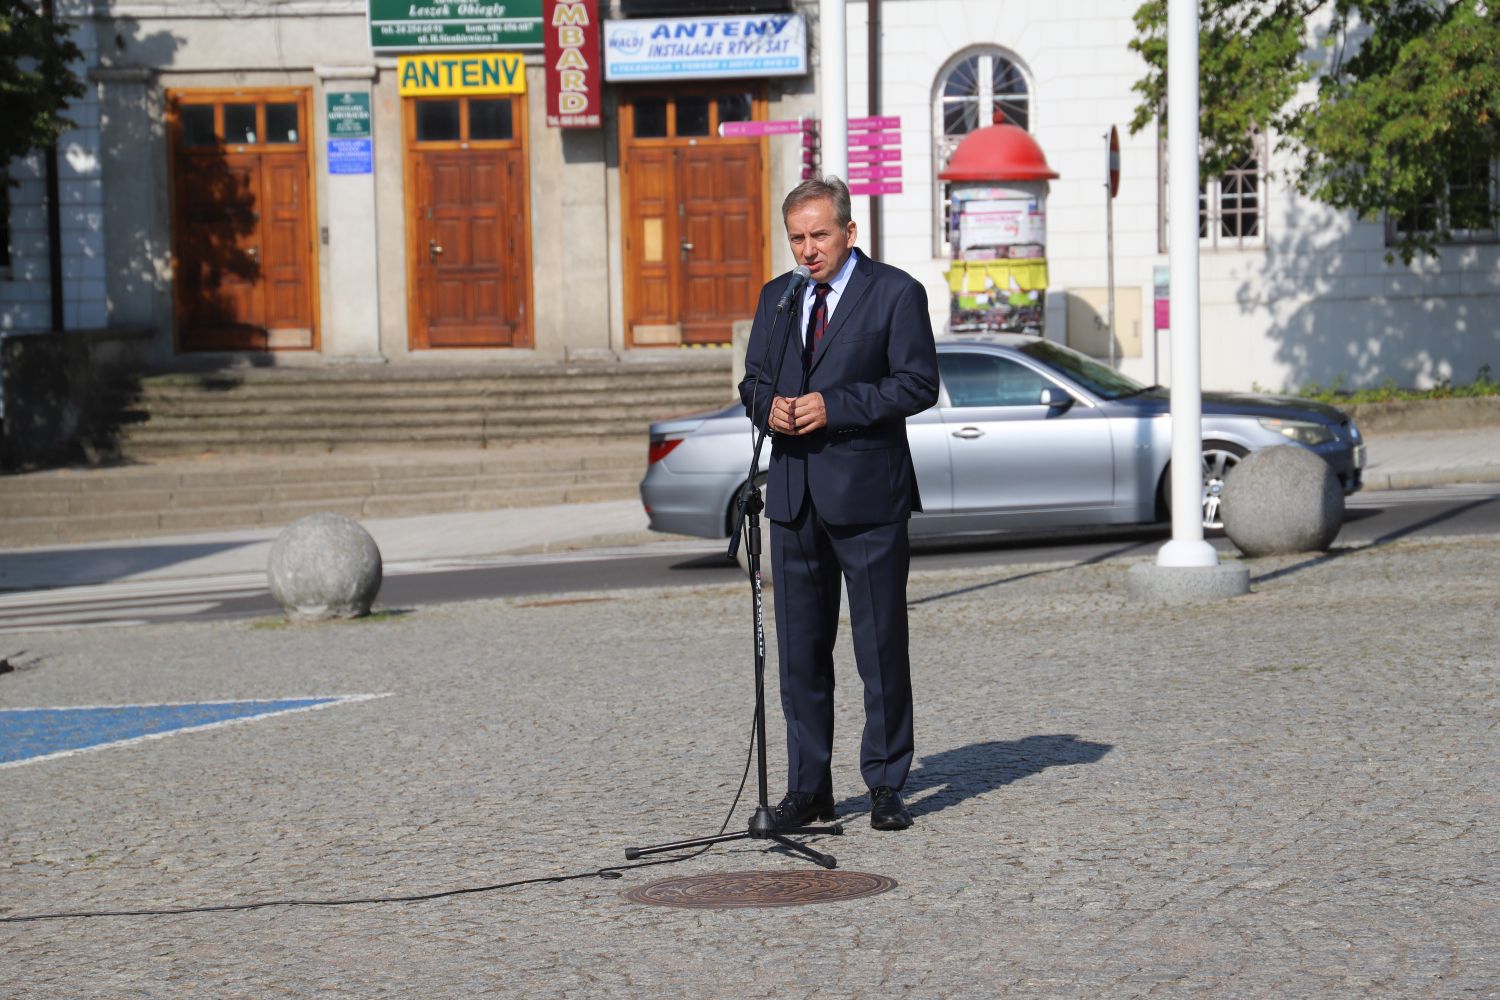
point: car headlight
(1301, 431)
(1354, 434)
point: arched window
(972, 87)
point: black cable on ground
(609, 872)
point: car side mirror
(1056, 399)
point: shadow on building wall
(1340, 315)
(134, 149)
(68, 395)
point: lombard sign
(705, 48)
(574, 98)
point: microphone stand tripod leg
(816, 857)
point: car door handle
(969, 433)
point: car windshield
(1098, 379)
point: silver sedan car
(1026, 435)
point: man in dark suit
(841, 489)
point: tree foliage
(1388, 107)
(35, 79)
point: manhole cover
(739, 889)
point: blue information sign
(350, 156)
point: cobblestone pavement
(1291, 795)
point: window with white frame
(1467, 209)
(1231, 208)
(974, 86)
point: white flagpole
(1187, 547)
(833, 82)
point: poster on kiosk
(998, 232)
(999, 275)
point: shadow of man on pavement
(968, 771)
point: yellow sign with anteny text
(462, 73)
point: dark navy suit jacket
(875, 366)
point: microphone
(800, 274)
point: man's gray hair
(819, 188)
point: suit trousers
(808, 557)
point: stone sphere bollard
(1282, 500)
(324, 566)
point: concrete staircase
(244, 491)
(260, 448)
(421, 407)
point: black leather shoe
(802, 808)
(887, 812)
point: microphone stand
(762, 825)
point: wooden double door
(695, 216)
(469, 251)
(243, 255)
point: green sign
(406, 25)
(348, 116)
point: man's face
(817, 239)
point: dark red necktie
(817, 323)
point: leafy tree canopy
(1382, 103)
(35, 81)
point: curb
(1440, 477)
(1414, 416)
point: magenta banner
(878, 187)
(875, 155)
(740, 130)
(875, 123)
(874, 173)
(874, 139)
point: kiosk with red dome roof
(998, 230)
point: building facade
(269, 181)
(1293, 293)
(260, 180)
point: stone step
(156, 497)
(623, 378)
(55, 529)
(427, 415)
(649, 406)
(341, 383)
(625, 457)
(338, 409)
(661, 383)
(183, 442)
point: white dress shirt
(836, 291)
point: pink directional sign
(876, 187)
(875, 155)
(740, 130)
(874, 124)
(874, 173)
(874, 139)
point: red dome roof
(1002, 152)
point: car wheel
(1218, 458)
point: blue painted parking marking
(28, 735)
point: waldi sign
(705, 48)
(462, 73)
(454, 24)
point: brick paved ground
(1291, 795)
